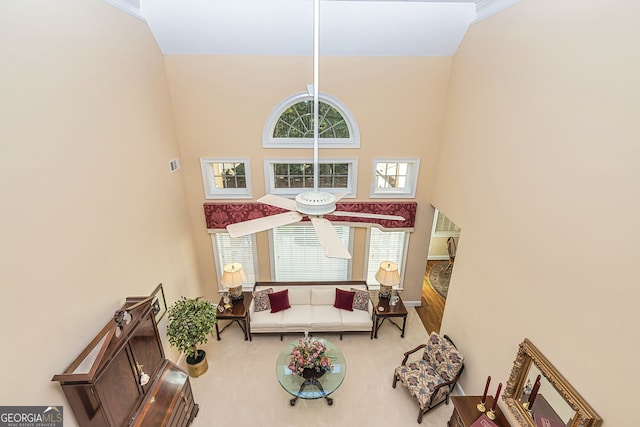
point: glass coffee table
(311, 388)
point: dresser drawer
(169, 403)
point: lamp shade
(233, 277)
(388, 274)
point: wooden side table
(465, 411)
(238, 313)
(384, 311)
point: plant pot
(309, 373)
(197, 366)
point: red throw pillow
(279, 300)
(344, 299)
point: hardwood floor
(432, 307)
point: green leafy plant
(190, 321)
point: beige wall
(540, 144)
(90, 213)
(221, 104)
(438, 248)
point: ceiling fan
(314, 204)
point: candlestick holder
(481, 407)
(491, 414)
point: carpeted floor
(439, 278)
(241, 388)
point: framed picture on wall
(158, 304)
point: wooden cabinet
(465, 411)
(122, 376)
(169, 402)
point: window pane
(298, 255)
(300, 175)
(239, 249)
(229, 175)
(324, 169)
(297, 122)
(384, 246)
(392, 174)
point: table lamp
(387, 275)
(232, 278)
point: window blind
(297, 255)
(228, 250)
(384, 246)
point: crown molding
(132, 7)
(486, 8)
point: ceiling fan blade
(329, 239)
(240, 229)
(278, 202)
(368, 215)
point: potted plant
(190, 321)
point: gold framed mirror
(538, 395)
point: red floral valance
(219, 215)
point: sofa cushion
(279, 301)
(299, 295)
(325, 317)
(261, 300)
(323, 295)
(344, 299)
(356, 320)
(298, 316)
(360, 299)
(266, 320)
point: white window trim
(210, 190)
(220, 268)
(400, 193)
(269, 179)
(401, 266)
(268, 141)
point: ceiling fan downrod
(316, 202)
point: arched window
(290, 124)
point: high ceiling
(285, 27)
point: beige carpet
(241, 388)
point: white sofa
(312, 309)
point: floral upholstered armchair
(432, 378)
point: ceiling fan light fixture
(315, 203)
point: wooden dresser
(123, 379)
(465, 411)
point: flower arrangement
(309, 353)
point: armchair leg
(420, 414)
(395, 380)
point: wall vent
(174, 165)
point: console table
(465, 411)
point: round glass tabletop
(311, 388)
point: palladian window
(290, 125)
